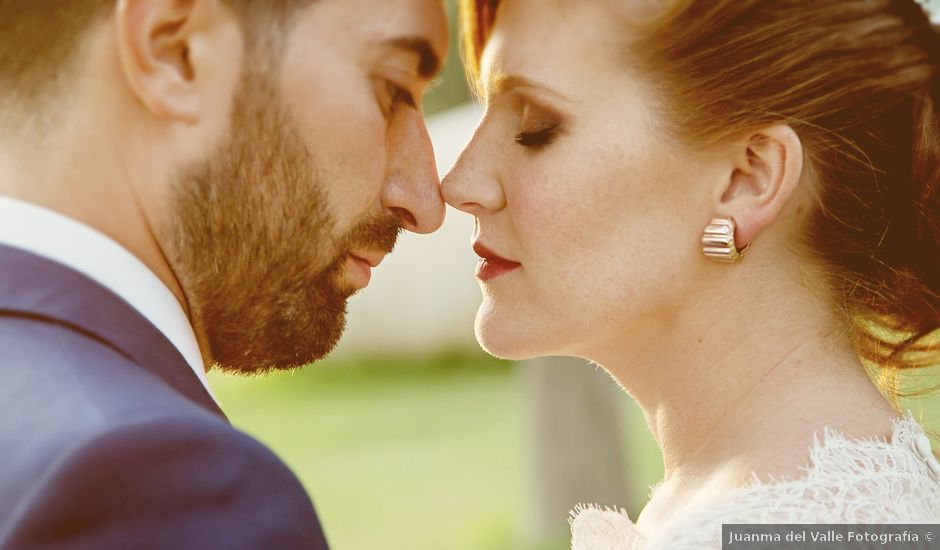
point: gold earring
(718, 240)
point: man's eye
(399, 95)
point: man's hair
(41, 40)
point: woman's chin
(502, 351)
(507, 339)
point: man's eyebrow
(429, 63)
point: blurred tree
(577, 451)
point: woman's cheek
(543, 210)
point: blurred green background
(398, 454)
(418, 454)
(422, 451)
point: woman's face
(571, 179)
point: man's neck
(76, 181)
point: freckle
(700, 339)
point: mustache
(378, 233)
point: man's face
(328, 158)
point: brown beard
(252, 243)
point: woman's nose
(471, 185)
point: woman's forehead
(622, 10)
(533, 31)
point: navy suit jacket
(109, 440)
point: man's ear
(155, 40)
(765, 173)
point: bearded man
(189, 184)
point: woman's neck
(756, 382)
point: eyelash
(537, 139)
(397, 95)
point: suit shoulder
(63, 388)
(45, 362)
(179, 482)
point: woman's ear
(155, 40)
(766, 170)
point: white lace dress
(848, 480)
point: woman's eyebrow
(502, 83)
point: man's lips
(371, 258)
(361, 264)
(491, 264)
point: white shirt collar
(97, 256)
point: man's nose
(413, 189)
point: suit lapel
(37, 287)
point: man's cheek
(358, 188)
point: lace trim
(596, 528)
(848, 480)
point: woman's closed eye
(537, 138)
(538, 128)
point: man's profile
(188, 184)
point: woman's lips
(490, 269)
(492, 265)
